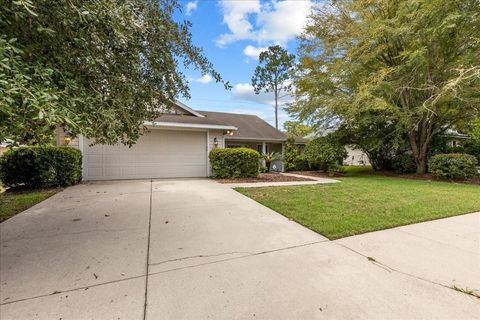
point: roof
(249, 127)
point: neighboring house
(454, 138)
(176, 145)
(355, 156)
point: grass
(13, 202)
(468, 291)
(362, 202)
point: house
(176, 145)
(454, 139)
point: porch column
(264, 151)
(283, 155)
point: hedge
(324, 153)
(35, 167)
(453, 166)
(404, 163)
(234, 162)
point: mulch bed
(416, 176)
(318, 174)
(264, 177)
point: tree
(325, 152)
(273, 73)
(378, 137)
(97, 68)
(296, 129)
(414, 61)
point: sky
(232, 34)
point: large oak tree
(415, 63)
(98, 68)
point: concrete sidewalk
(196, 249)
(313, 180)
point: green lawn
(361, 202)
(12, 203)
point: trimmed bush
(234, 162)
(404, 163)
(324, 153)
(35, 167)
(453, 166)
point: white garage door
(157, 154)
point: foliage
(234, 162)
(100, 68)
(366, 203)
(453, 166)
(404, 163)
(273, 73)
(371, 132)
(41, 167)
(270, 157)
(296, 129)
(324, 152)
(293, 159)
(415, 62)
(472, 147)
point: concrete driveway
(196, 249)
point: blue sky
(232, 34)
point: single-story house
(176, 145)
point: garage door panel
(158, 154)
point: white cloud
(253, 52)
(236, 17)
(245, 91)
(275, 21)
(191, 6)
(206, 78)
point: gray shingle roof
(249, 126)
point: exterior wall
(218, 134)
(211, 135)
(61, 134)
(355, 157)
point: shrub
(454, 165)
(473, 147)
(34, 167)
(234, 162)
(325, 153)
(404, 163)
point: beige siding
(211, 139)
(356, 157)
(212, 134)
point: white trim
(188, 125)
(208, 151)
(80, 146)
(188, 109)
(255, 139)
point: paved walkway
(196, 249)
(313, 180)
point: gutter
(188, 125)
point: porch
(263, 147)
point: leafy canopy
(296, 128)
(99, 68)
(415, 62)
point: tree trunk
(421, 163)
(276, 109)
(420, 138)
